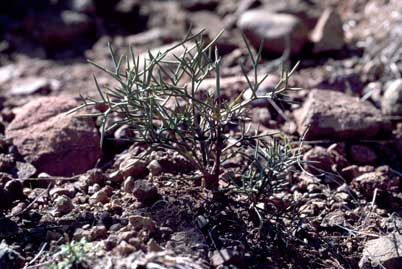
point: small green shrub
(198, 125)
(72, 255)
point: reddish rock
(54, 142)
(381, 179)
(330, 114)
(318, 160)
(363, 155)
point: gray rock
(99, 197)
(391, 103)
(225, 256)
(155, 168)
(277, 30)
(330, 114)
(63, 205)
(384, 252)
(328, 33)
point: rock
(391, 103)
(152, 246)
(33, 85)
(225, 257)
(63, 205)
(318, 160)
(145, 191)
(67, 190)
(55, 143)
(128, 184)
(83, 6)
(14, 188)
(99, 197)
(209, 21)
(263, 116)
(267, 86)
(7, 162)
(195, 5)
(353, 171)
(380, 179)
(383, 252)
(363, 155)
(94, 176)
(154, 168)
(276, 30)
(97, 232)
(141, 222)
(330, 114)
(62, 31)
(170, 61)
(135, 168)
(328, 33)
(333, 219)
(25, 170)
(191, 239)
(9, 258)
(124, 248)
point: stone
(391, 103)
(383, 252)
(141, 222)
(154, 168)
(124, 248)
(128, 184)
(145, 191)
(328, 33)
(10, 258)
(278, 31)
(380, 179)
(195, 5)
(135, 168)
(330, 114)
(333, 219)
(68, 191)
(224, 256)
(318, 160)
(63, 205)
(54, 142)
(63, 30)
(266, 87)
(25, 170)
(363, 155)
(97, 232)
(83, 6)
(152, 246)
(7, 162)
(99, 197)
(33, 85)
(207, 21)
(14, 188)
(94, 176)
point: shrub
(74, 254)
(197, 125)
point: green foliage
(160, 98)
(72, 255)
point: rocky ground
(340, 209)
